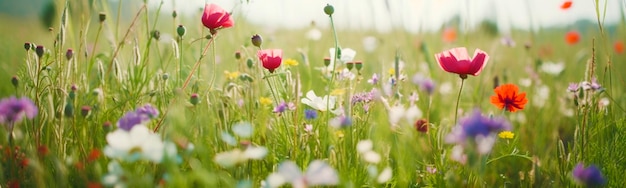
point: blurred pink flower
(215, 17)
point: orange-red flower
(618, 46)
(508, 96)
(449, 35)
(572, 37)
(271, 58)
(566, 5)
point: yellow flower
(337, 92)
(265, 101)
(231, 75)
(506, 135)
(339, 134)
(291, 62)
(392, 71)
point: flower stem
(332, 72)
(458, 99)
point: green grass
(546, 147)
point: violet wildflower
(373, 80)
(340, 122)
(310, 114)
(12, 110)
(148, 110)
(280, 108)
(363, 97)
(479, 129)
(424, 83)
(573, 87)
(137, 117)
(590, 176)
(507, 41)
(595, 85)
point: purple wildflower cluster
(585, 85)
(140, 116)
(284, 106)
(13, 110)
(364, 97)
(590, 176)
(477, 125)
(424, 83)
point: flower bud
(84, 111)
(326, 61)
(194, 99)
(249, 63)
(256, 40)
(102, 16)
(421, 125)
(69, 110)
(156, 34)
(39, 50)
(69, 54)
(329, 10)
(27, 46)
(237, 55)
(174, 14)
(208, 36)
(350, 65)
(15, 81)
(358, 65)
(106, 126)
(181, 30)
(165, 76)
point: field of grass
(128, 107)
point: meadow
(162, 100)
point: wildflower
(319, 103)
(236, 156)
(13, 110)
(308, 128)
(552, 68)
(618, 46)
(214, 17)
(364, 148)
(314, 34)
(506, 135)
(363, 97)
(340, 122)
(265, 101)
(385, 175)
(590, 176)
(231, 75)
(310, 114)
(136, 143)
(319, 173)
(478, 129)
(457, 61)
(370, 43)
(40, 50)
(449, 35)
(346, 55)
(572, 37)
(194, 99)
(573, 87)
(398, 112)
(424, 83)
(507, 96)
(373, 80)
(256, 40)
(431, 169)
(566, 5)
(271, 58)
(507, 41)
(346, 74)
(280, 108)
(291, 62)
(421, 125)
(594, 84)
(69, 54)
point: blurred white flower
(411, 114)
(115, 175)
(138, 143)
(541, 96)
(243, 129)
(364, 146)
(385, 175)
(370, 43)
(319, 103)
(346, 74)
(458, 155)
(319, 173)
(485, 143)
(445, 88)
(314, 34)
(347, 55)
(371, 157)
(526, 82)
(552, 68)
(236, 156)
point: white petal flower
(243, 129)
(318, 173)
(552, 68)
(485, 143)
(364, 146)
(139, 142)
(255, 153)
(318, 103)
(385, 175)
(370, 43)
(371, 157)
(314, 34)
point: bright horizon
(409, 15)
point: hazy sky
(383, 15)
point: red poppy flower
(214, 17)
(618, 46)
(572, 37)
(457, 61)
(271, 58)
(508, 96)
(566, 5)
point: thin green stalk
(335, 58)
(458, 99)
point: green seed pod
(181, 30)
(256, 40)
(329, 10)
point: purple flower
(573, 87)
(507, 41)
(340, 122)
(590, 176)
(12, 110)
(310, 114)
(374, 79)
(363, 97)
(148, 110)
(595, 85)
(476, 125)
(424, 83)
(280, 108)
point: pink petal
(459, 53)
(478, 62)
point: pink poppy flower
(457, 61)
(271, 58)
(215, 17)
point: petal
(459, 53)
(119, 140)
(320, 173)
(290, 171)
(478, 62)
(256, 153)
(385, 175)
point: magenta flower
(13, 110)
(215, 17)
(271, 58)
(457, 61)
